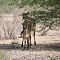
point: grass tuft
(1, 55)
(53, 59)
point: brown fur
(26, 34)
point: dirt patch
(38, 47)
(31, 55)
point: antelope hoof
(22, 44)
(34, 43)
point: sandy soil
(47, 48)
(39, 40)
(30, 55)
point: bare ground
(47, 48)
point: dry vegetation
(48, 42)
(47, 48)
